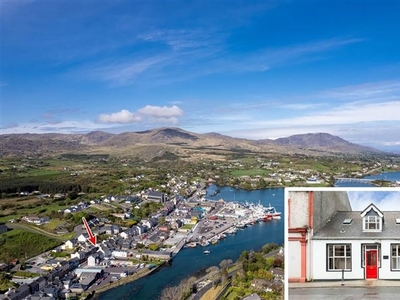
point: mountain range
(161, 141)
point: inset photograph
(343, 243)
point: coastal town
(80, 266)
(155, 214)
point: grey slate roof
(335, 229)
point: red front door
(371, 257)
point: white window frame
(366, 247)
(395, 259)
(336, 255)
(369, 220)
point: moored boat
(271, 213)
(214, 241)
(191, 245)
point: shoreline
(96, 294)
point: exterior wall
(327, 203)
(384, 271)
(117, 253)
(322, 205)
(309, 211)
(294, 260)
(319, 270)
(298, 204)
(91, 262)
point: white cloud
(161, 111)
(153, 114)
(124, 117)
(161, 114)
(301, 106)
(383, 90)
(60, 127)
(385, 201)
(394, 143)
(272, 57)
(193, 54)
(183, 39)
(350, 113)
(123, 72)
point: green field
(187, 226)
(248, 172)
(22, 245)
(53, 224)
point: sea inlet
(190, 261)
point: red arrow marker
(92, 238)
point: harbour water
(192, 260)
(391, 176)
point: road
(344, 293)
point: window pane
(330, 264)
(348, 263)
(373, 259)
(339, 257)
(395, 257)
(339, 250)
(340, 263)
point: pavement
(352, 290)
(346, 283)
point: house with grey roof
(361, 244)
(157, 196)
(327, 239)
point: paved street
(344, 293)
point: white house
(78, 255)
(366, 245)
(70, 244)
(83, 237)
(94, 259)
(135, 230)
(328, 240)
(120, 253)
(37, 220)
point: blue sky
(253, 69)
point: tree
(170, 293)
(212, 269)
(161, 220)
(278, 262)
(269, 247)
(224, 264)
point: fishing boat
(206, 251)
(214, 241)
(271, 213)
(191, 245)
(204, 243)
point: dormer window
(372, 223)
(372, 219)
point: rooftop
(336, 228)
